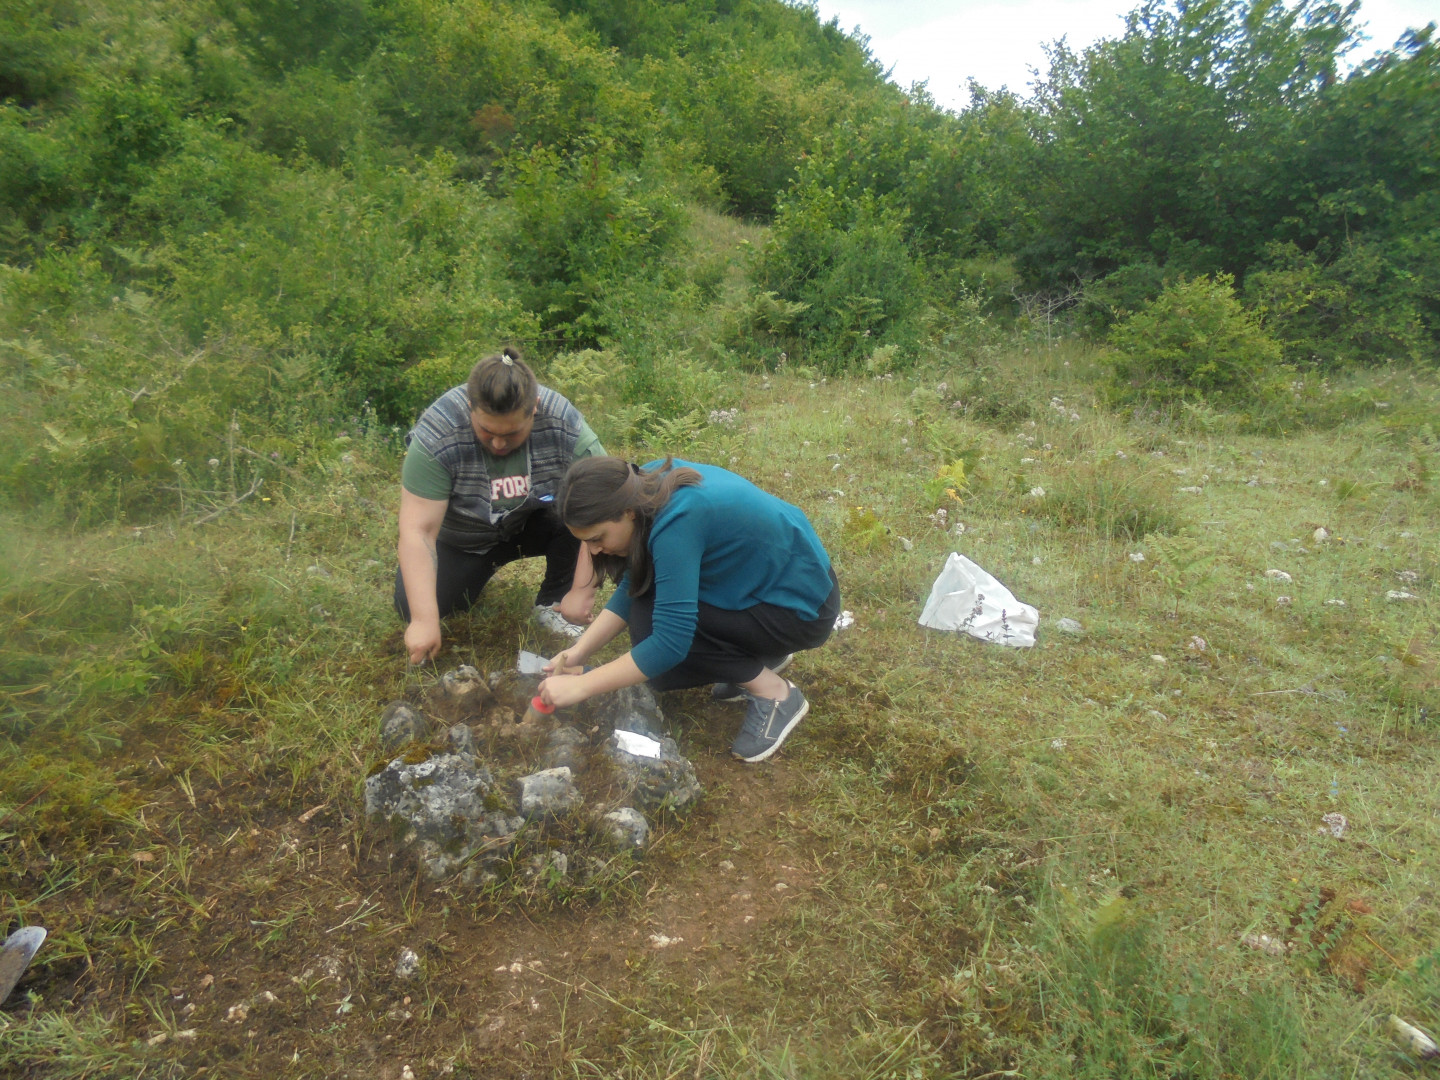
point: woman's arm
(578, 604)
(596, 636)
(420, 521)
(562, 690)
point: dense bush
(850, 264)
(1194, 341)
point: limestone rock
(400, 724)
(462, 682)
(557, 862)
(632, 708)
(665, 781)
(549, 793)
(625, 828)
(1069, 626)
(444, 808)
(407, 964)
(461, 740)
(565, 748)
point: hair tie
(507, 361)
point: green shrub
(850, 264)
(1359, 308)
(580, 225)
(315, 113)
(1195, 340)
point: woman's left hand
(563, 690)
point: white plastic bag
(965, 597)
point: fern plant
(1182, 563)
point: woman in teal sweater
(717, 581)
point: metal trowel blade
(531, 663)
(15, 956)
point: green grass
(1041, 863)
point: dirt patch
(284, 955)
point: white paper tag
(633, 743)
(531, 663)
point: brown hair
(502, 384)
(600, 489)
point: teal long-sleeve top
(728, 544)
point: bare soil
(286, 959)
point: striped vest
(444, 430)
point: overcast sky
(945, 42)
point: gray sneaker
(766, 725)
(729, 691)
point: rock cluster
(468, 785)
(442, 808)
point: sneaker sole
(779, 739)
(741, 694)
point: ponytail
(502, 384)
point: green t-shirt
(509, 476)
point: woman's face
(609, 537)
(500, 433)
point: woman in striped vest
(481, 471)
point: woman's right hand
(563, 663)
(422, 641)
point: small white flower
(1197, 644)
(1335, 825)
(1158, 658)
(1057, 744)
(1037, 492)
(1036, 561)
(1027, 461)
(1324, 483)
(1137, 556)
(214, 463)
(1283, 601)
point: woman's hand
(563, 663)
(563, 690)
(422, 640)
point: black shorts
(734, 646)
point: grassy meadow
(1155, 345)
(1104, 856)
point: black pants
(730, 646)
(461, 575)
